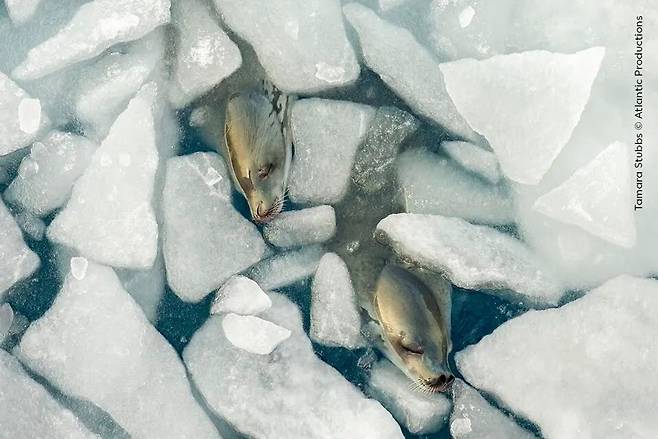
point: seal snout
(440, 383)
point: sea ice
(46, 176)
(474, 418)
(31, 225)
(206, 240)
(335, 317)
(284, 269)
(17, 261)
(146, 286)
(28, 410)
(407, 67)
(253, 334)
(240, 295)
(475, 159)
(21, 11)
(551, 88)
(433, 184)
(110, 217)
(603, 385)
(6, 319)
(301, 227)
(204, 53)
(326, 134)
(96, 26)
(301, 43)
(418, 412)
(95, 343)
(288, 393)
(20, 117)
(472, 257)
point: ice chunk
(146, 286)
(602, 340)
(79, 267)
(466, 16)
(46, 176)
(204, 53)
(109, 217)
(28, 410)
(31, 225)
(21, 11)
(433, 184)
(301, 227)
(473, 257)
(375, 159)
(96, 26)
(20, 117)
(240, 295)
(474, 418)
(6, 319)
(95, 343)
(286, 268)
(552, 89)
(407, 67)
(301, 43)
(475, 159)
(335, 317)
(289, 393)
(326, 135)
(206, 240)
(597, 197)
(253, 334)
(17, 261)
(418, 412)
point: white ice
(286, 268)
(204, 53)
(301, 227)
(47, 174)
(585, 370)
(29, 411)
(110, 217)
(301, 43)
(240, 295)
(435, 185)
(407, 67)
(475, 159)
(253, 334)
(335, 317)
(289, 393)
(17, 261)
(472, 257)
(6, 319)
(326, 135)
(418, 412)
(550, 89)
(95, 343)
(21, 11)
(474, 418)
(206, 240)
(96, 26)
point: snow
(473, 158)
(604, 383)
(21, 11)
(46, 176)
(28, 410)
(20, 117)
(286, 268)
(335, 314)
(407, 68)
(301, 227)
(470, 256)
(95, 343)
(206, 240)
(474, 418)
(17, 261)
(288, 393)
(95, 27)
(240, 295)
(110, 217)
(551, 88)
(435, 185)
(204, 53)
(253, 334)
(326, 135)
(301, 43)
(418, 412)
(590, 200)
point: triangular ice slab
(526, 104)
(597, 198)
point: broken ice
(301, 227)
(475, 159)
(240, 295)
(286, 268)
(253, 334)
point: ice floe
(21, 11)
(6, 319)
(475, 159)
(301, 227)
(253, 334)
(240, 295)
(286, 268)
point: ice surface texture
(253, 334)
(475, 159)
(286, 268)
(240, 295)
(301, 227)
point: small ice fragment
(199, 116)
(29, 115)
(6, 319)
(466, 16)
(253, 334)
(240, 295)
(79, 267)
(32, 225)
(460, 427)
(301, 227)
(21, 11)
(286, 268)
